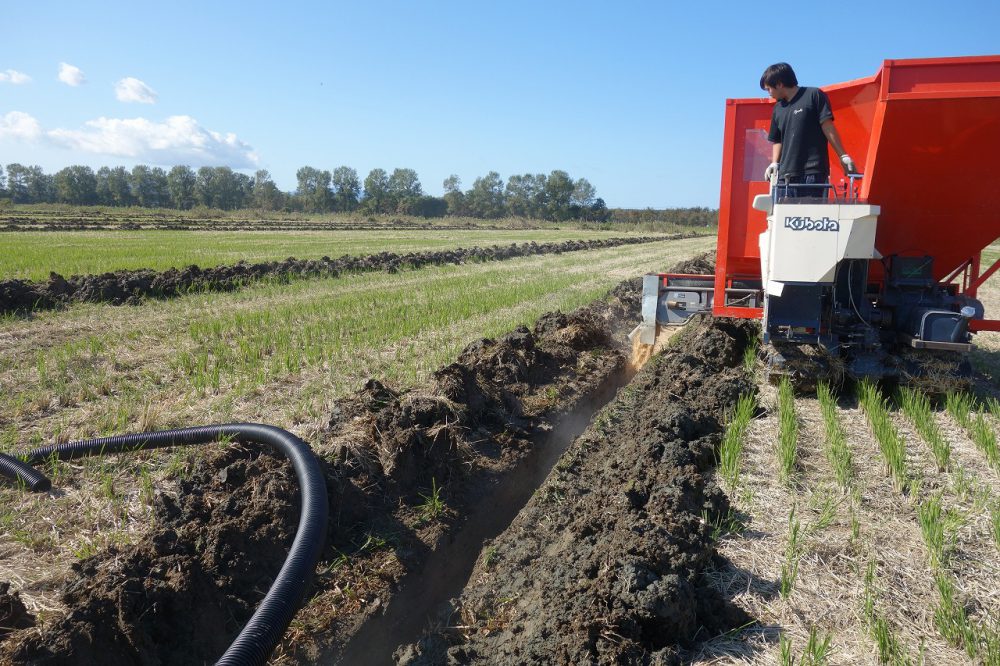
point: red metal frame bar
(977, 282)
(962, 267)
(978, 325)
(686, 275)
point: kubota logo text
(809, 224)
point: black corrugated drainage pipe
(267, 625)
(13, 468)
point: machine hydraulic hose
(260, 636)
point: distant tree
(453, 195)
(404, 186)
(346, 189)
(204, 188)
(423, 206)
(376, 195)
(266, 195)
(583, 193)
(144, 186)
(486, 198)
(314, 189)
(3, 183)
(404, 183)
(113, 187)
(597, 211)
(525, 195)
(540, 203)
(559, 194)
(230, 190)
(243, 190)
(41, 186)
(181, 187)
(681, 216)
(161, 192)
(76, 185)
(17, 182)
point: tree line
(555, 196)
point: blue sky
(629, 95)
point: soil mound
(13, 614)
(703, 264)
(182, 594)
(131, 287)
(604, 564)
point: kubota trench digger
(881, 274)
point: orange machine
(926, 133)
(889, 260)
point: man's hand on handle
(771, 171)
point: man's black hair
(779, 73)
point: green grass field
(282, 352)
(32, 255)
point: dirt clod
(13, 614)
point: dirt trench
(604, 564)
(624, 516)
(132, 286)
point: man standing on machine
(801, 126)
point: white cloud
(19, 125)
(178, 140)
(14, 77)
(134, 90)
(70, 75)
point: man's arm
(772, 168)
(830, 131)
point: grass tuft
(837, 451)
(962, 407)
(889, 440)
(788, 432)
(917, 407)
(891, 650)
(731, 449)
(793, 553)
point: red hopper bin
(926, 134)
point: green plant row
(733, 441)
(890, 647)
(788, 431)
(963, 409)
(917, 407)
(837, 451)
(890, 441)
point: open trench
(561, 537)
(424, 594)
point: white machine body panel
(804, 242)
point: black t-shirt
(795, 124)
